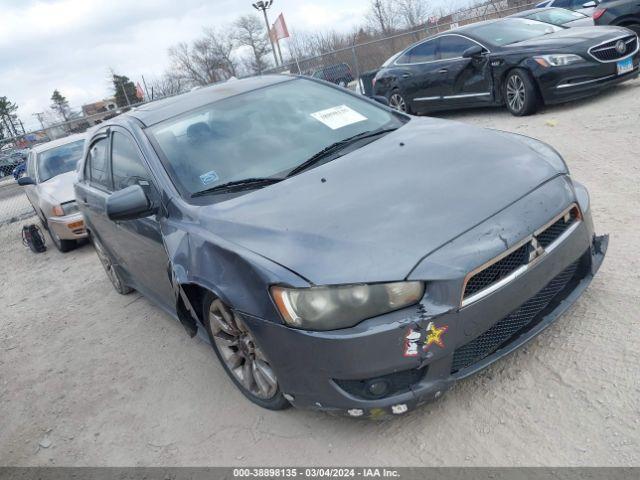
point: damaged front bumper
(337, 371)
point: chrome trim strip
(524, 268)
(453, 97)
(468, 95)
(586, 82)
(613, 40)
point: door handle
(443, 70)
(406, 75)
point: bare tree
(383, 16)
(250, 32)
(170, 83)
(221, 44)
(412, 13)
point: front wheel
(110, 269)
(520, 94)
(241, 357)
(63, 246)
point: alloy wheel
(237, 348)
(516, 93)
(109, 268)
(397, 103)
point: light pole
(263, 6)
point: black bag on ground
(32, 237)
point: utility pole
(263, 6)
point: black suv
(623, 13)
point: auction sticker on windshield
(338, 117)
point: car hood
(570, 37)
(373, 214)
(59, 188)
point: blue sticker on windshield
(209, 178)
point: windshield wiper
(238, 186)
(336, 147)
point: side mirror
(471, 52)
(129, 204)
(24, 181)
(383, 100)
(590, 5)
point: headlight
(558, 60)
(65, 209)
(333, 308)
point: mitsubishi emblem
(535, 250)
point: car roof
(156, 112)
(43, 147)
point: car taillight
(598, 12)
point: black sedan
(265, 215)
(515, 62)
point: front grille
(504, 267)
(497, 271)
(609, 53)
(509, 328)
(554, 232)
(399, 382)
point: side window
(98, 165)
(425, 52)
(452, 46)
(128, 167)
(564, 3)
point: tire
(110, 269)
(520, 93)
(63, 246)
(398, 102)
(240, 356)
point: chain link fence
(364, 59)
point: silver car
(49, 187)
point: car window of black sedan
(264, 133)
(425, 52)
(453, 46)
(512, 30)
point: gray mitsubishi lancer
(337, 255)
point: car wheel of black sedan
(398, 102)
(110, 268)
(240, 356)
(520, 94)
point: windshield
(512, 30)
(59, 160)
(556, 16)
(264, 133)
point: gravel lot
(88, 377)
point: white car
(48, 184)
(582, 6)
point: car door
(418, 77)
(140, 246)
(466, 81)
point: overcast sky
(71, 44)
